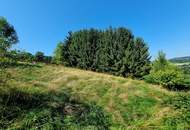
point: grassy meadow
(55, 97)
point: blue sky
(41, 24)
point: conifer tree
(114, 50)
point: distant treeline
(114, 50)
(180, 59)
(23, 56)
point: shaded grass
(51, 111)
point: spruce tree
(114, 50)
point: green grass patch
(55, 97)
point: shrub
(166, 74)
(169, 78)
(181, 102)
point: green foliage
(59, 54)
(48, 110)
(23, 56)
(114, 51)
(18, 55)
(39, 56)
(180, 102)
(8, 35)
(170, 78)
(136, 61)
(161, 63)
(137, 108)
(48, 59)
(166, 74)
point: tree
(114, 50)
(8, 35)
(19, 55)
(137, 58)
(59, 54)
(39, 56)
(165, 73)
(160, 62)
(47, 59)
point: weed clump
(181, 103)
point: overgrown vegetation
(166, 74)
(180, 102)
(50, 111)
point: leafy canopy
(8, 35)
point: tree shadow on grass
(50, 110)
(179, 88)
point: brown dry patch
(162, 113)
(128, 83)
(124, 96)
(55, 84)
(117, 117)
(72, 83)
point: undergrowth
(181, 119)
(49, 111)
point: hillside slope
(185, 59)
(129, 103)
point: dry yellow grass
(131, 103)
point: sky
(41, 24)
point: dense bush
(18, 55)
(40, 57)
(114, 51)
(170, 78)
(166, 74)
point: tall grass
(56, 97)
(52, 111)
